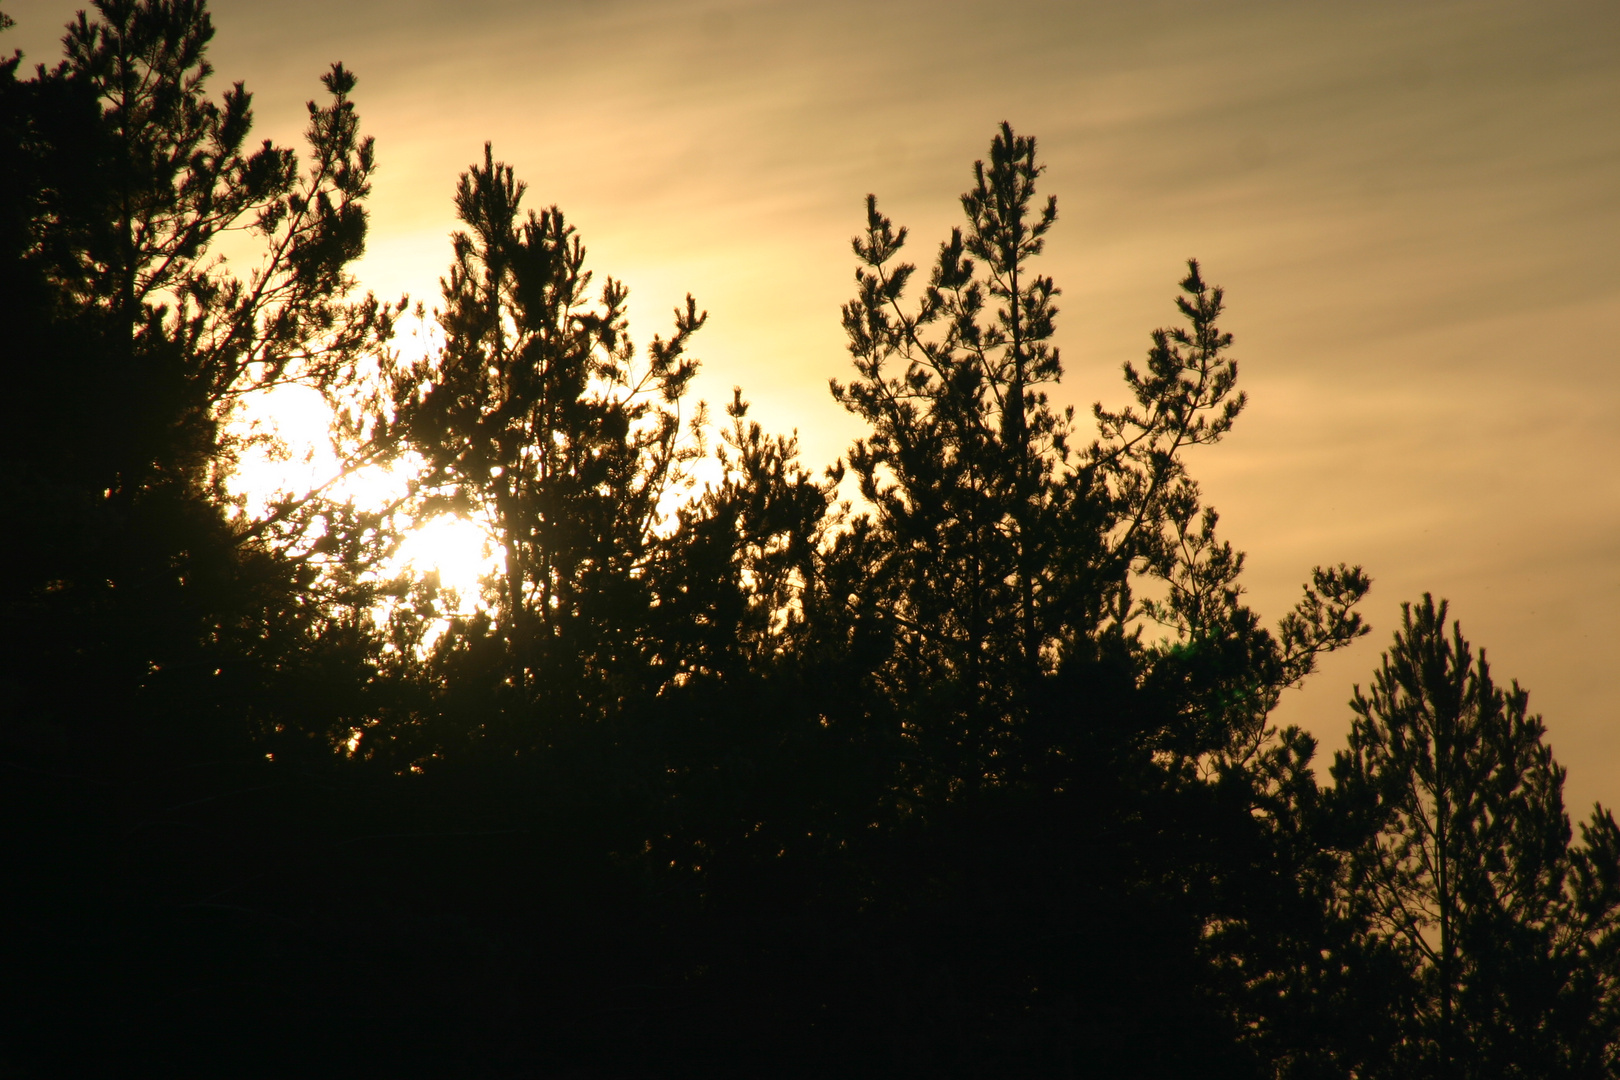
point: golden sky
(1414, 208)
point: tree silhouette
(974, 775)
(960, 463)
(1470, 874)
(534, 420)
(1021, 572)
(1006, 551)
(133, 346)
(161, 645)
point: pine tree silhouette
(1470, 874)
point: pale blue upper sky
(1414, 207)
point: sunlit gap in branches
(291, 448)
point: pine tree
(1509, 930)
(131, 347)
(157, 635)
(1004, 552)
(959, 462)
(1070, 657)
(535, 419)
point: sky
(1414, 208)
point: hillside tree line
(954, 758)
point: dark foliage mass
(969, 775)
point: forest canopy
(953, 757)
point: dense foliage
(967, 772)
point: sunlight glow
(287, 451)
(459, 551)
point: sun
(460, 551)
(286, 434)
